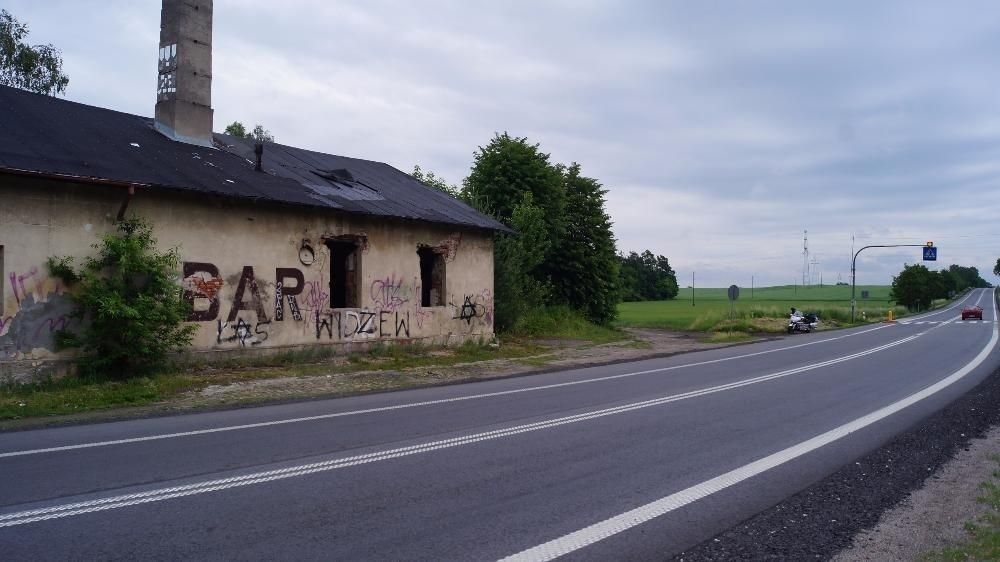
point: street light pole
(854, 269)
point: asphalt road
(630, 461)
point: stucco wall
(228, 247)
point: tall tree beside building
(585, 265)
(507, 168)
(131, 303)
(35, 68)
(514, 256)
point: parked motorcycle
(799, 322)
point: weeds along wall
(258, 276)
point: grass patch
(72, 395)
(637, 344)
(984, 533)
(190, 374)
(75, 395)
(563, 322)
(537, 361)
(767, 311)
(729, 337)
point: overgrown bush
(515, 256)
(131, 309)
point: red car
(972, 312)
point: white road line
(414, 404)
(619, 523)
(114, 502)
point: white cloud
(721, 131)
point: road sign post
(734, 293)
(854, 276)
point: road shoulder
(857, 497)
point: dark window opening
(431, 277)
(345, 270)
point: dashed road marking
(114, 502)
(599, 531)
(418, 404)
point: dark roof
(46, 135)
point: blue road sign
(930, 253)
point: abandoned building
(280, 246)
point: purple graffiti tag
(17, 281)
(316, 298)
(388, 293)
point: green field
(765, 309)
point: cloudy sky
(722, 130)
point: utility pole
(692, 288)
(805, 258)
(751, 287)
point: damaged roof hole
(340, 174)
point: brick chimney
(184, 90)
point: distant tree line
(645, 277)
(916, 287)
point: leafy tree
(236, 129)
(916, 287)
(131, 305)
(34, 68)
(507, 168)
(259, 133)
(517, 292)
(585, 265)
(966, 277)
(429, 179)
(647, 277)
(996, 268)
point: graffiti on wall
(248, 282)
(316, 296)
(242, 332)
(242, 319)
(362, 324)
(283, 292)
(37, 310)
(390, 293)
(201, 285)
(475, 308)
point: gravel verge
(844, 508)
(933, 517)
(558, 355)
